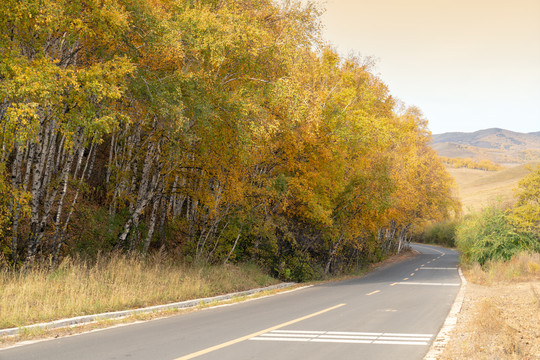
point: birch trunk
(332, 255)
(43, 150)
(153, 219)
(15, 206)
(60, 233)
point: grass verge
(113, 283)
(30, 335)
(123, 273)
(500, 318)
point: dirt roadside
(497, 321)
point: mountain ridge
(498, 145)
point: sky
(467, 64)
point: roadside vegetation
(216, 132)
(113, 282)
(501, 260)
(441, 233)
(188, 139)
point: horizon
(464, 65)
(489, 128)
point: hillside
(478, 188)
(498, 145)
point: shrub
(489, 235)
(442, 233)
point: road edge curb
(443, 337)
(85, 319)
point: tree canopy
(218, 130)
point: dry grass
(29, 335)
(522, 267)
(500, 318)
(478, 188)
(112, 283)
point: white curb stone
(451, 320)
(85, 319)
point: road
(394, 312)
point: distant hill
(498, 145)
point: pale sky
(467, 64)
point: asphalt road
(394, 312)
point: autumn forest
(215, 131)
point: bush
(489, 235)
(442, 233)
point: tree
(525, 214)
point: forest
(215, 131)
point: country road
(394, 312)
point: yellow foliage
(468, 163)
(526, 212)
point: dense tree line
(469, 163)
(217, 130)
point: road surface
(394, 312)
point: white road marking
(345, 337)
(401, 342)
(443, 336)
(343, 341)
(299, 332)
(279, 339)
(404, 338)
(413, 335)
(348, 337)
(290, 335)
(351, 333)
(431, 248)
(433, 284)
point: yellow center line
(412, 274)
(405, 279)
(373, 292)
(393, 284)
(244, 338)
